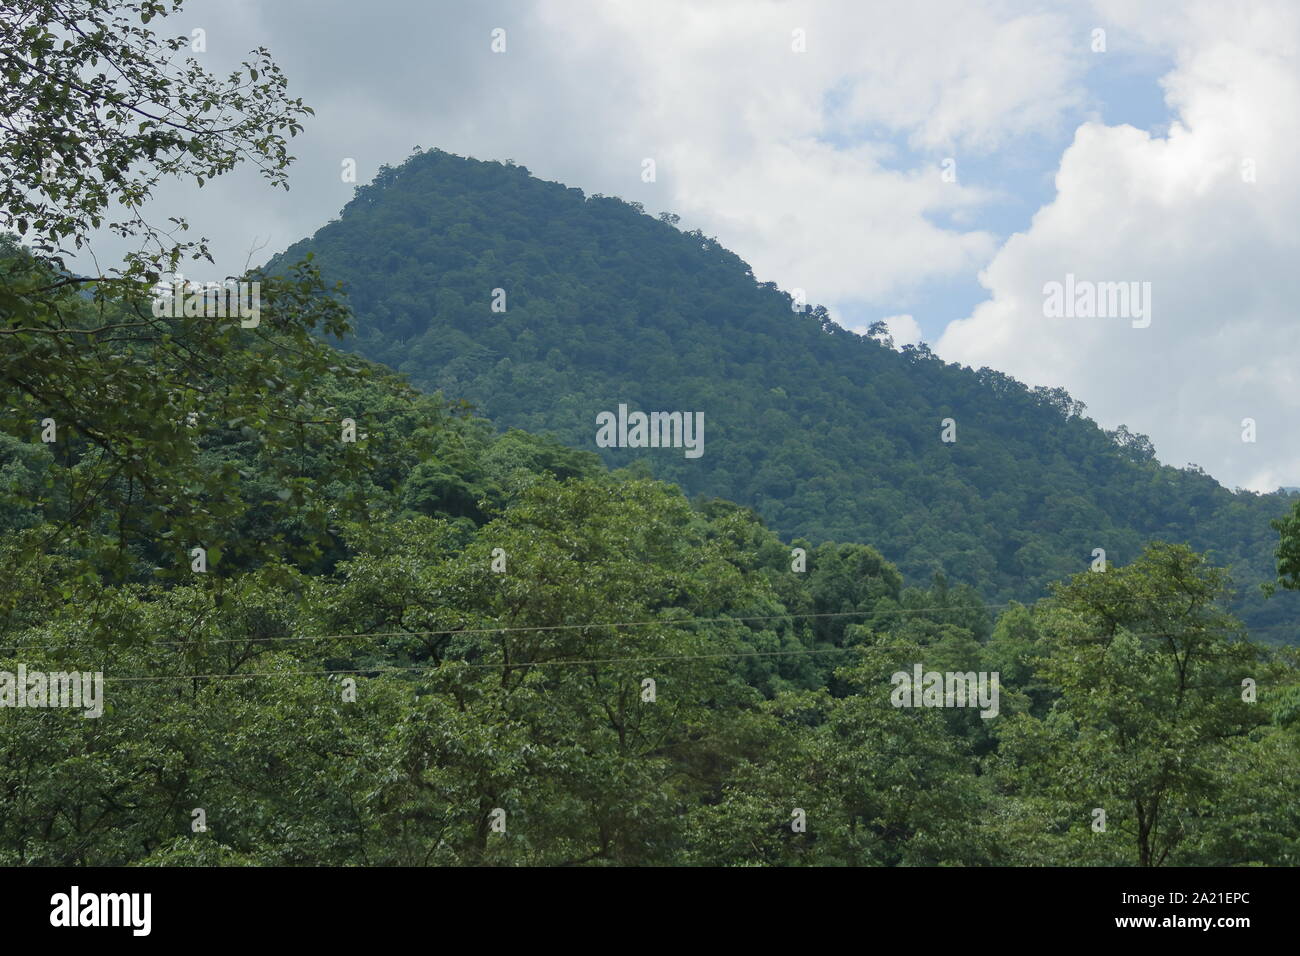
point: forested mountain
(264, 602)
(447, 644)
(826, 433)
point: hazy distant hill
(826, 433)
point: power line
(539, 628)
(416, 668)
(520, 665)
(521, 628)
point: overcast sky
(1169, 157)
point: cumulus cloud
(787, 130)
(1207, 215)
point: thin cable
(508, 630)
(431, 667)
(524, 664)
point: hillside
(267, 603)
(397, 641)
(826, 433)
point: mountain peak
(547, 309)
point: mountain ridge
(828, 434)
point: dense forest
(447, 644)
(826, 433)
(342, 620)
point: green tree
(1288, 550)
(1149, 672)
(139, 406)
(96, 110)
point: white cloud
(751, 137)
(789, 158)
(1221, 254)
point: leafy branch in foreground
(95, 110)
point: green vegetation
(827, 434)
(448, 644)
(523, 690)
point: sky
(934, 164)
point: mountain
(337, 621)
(398, 640)
(546, 308)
